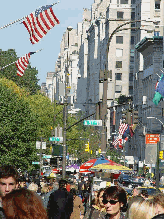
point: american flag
(116, 142)
(122, 128)
(22, 63)
(38, 23)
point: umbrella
(72, 168)
(84, 168)
(109, 167)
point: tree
(28, 81)
(42, 108)
(18, 128)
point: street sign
(93, 122)
(47, 156)
(152, 138)
(35, 162)
(56, 139)
(38, 144)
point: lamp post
(158, 147)
(65, 111)
(105, 80)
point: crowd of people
(59, 200)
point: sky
(16, 36)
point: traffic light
(87, 147)
(161, 155)
(135, 117)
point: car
(124, 179)
(161, 188)
(150, 190)
(135, 182)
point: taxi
(161, 188)
(150, 190)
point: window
(132, 52)
(119, 39)
(118, 89)
(156, 33)
(118, 64)
(157, 4)
(131, 77)
(132, 40)
(124, 2)
(118, 76)
(120, 14)
(163, 63)
(131, 58)
(130, 90)
(119, 52)
(132, 15)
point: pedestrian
(136, 192)
(142, 209)
(136, 200)
(8, 182)
(23, 204)
(97, 210)
(78, 208)
(159, 203)
(115, 201)
(60, 205)
(33, 187)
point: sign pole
(41, 157)
(157, 165)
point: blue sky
(69, 13)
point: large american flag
(22, 63)
(38, 23)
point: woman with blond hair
(141, 209)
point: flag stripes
(22, 64)
(38, 23)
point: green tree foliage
(29, 80)
(42, 108)
(18, 127)
(122, 99)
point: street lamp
(158, 146)
(105, 80)
(65, 111)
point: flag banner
(159, 90)
(38, 23)
(131, 131)
(120, 143)
(116, 142)
(122, 128)
(22, 63)
(126, 132)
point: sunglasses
(112, 202)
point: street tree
(28, 81)
(18, 128)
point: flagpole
(7, 25)
(1, 68)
